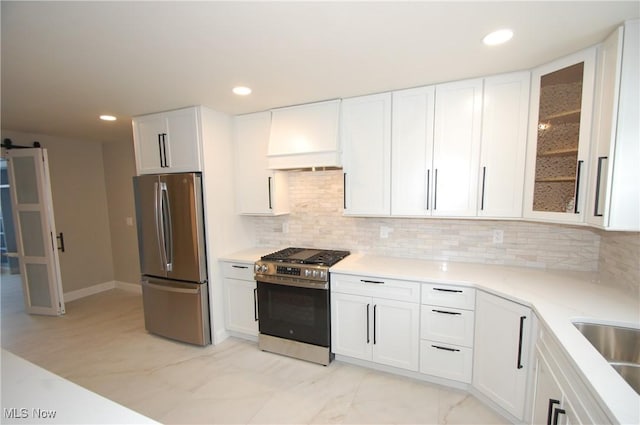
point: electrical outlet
(384, 232)
(498, 236)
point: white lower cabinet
(502, 351)
(241, 308)
(559, 396)
(446, 331)
(377, 329)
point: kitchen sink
(619, 346)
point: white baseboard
(132, 287)
(101, 287)
(91, 290)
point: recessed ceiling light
(107, 118)
(242, 91)
(498, 37)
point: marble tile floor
(101, 345)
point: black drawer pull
(445, 348)
(239, 267)
(448, 290)
(377, 282)
(454, 313)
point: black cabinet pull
(520, 342)
(578, 173)
(269, 189)
(556, 413)
(445, 348)
(447, 312)
(377, 282)
(428, 180)
(374, 323)
(435, 189)
(447, 290)
(239, 267)
(550, 409)
(344, 191)
(596, 211)
(60, 237)
(484, 174)
(255, 304)
(368, 323)
(160, 149)
(162, 140)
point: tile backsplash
(316, 220)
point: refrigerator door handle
(167, 233)
(159, 225)
(167, 288)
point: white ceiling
(64, 63)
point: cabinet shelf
(559, 152)
(556, 179)
(563, 117)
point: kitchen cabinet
(412, 152)
(559, 396)
(446, 331)
(501, 351)
(305, 136)
(259, 190)
(241, 306)
(614, 198)
(456, 148)
(376, 320)
(505, 115)
(366, 136)
(168, 142)
(559, 136)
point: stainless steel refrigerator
(171, 242)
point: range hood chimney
(305, 137)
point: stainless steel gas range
(294, 307)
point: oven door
(295, 313)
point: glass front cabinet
(559, 138)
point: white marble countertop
(249, 255)
(557, 297)
(31, 394)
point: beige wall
(119, 169)
(80, 208)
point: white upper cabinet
(412, 151)
(456, 148)
(366, 135)
(168, 142)
(259, 191)
(305, 136)
(505, 114)
(559, 137)
(614, 192)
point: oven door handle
(299, 283)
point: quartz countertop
(557, 297)
(31, 394)
(249, 255)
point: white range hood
(305, 136)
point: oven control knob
(307, 273)
(315, 273)
(256, 268)
(322, 274)
(264, 268)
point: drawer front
(449, 296)
(392, 289)
(242, 271)
(444, 324)
(446, 360)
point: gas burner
(294, 255)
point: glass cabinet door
(562, 96)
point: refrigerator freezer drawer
(177, 310)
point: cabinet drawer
(243, 271)
(449, 296)
(446, 360)
(444, 324)
(392, 289)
